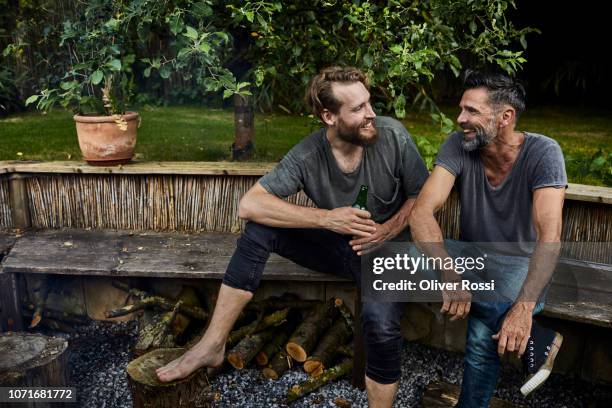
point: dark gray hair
(502, 89)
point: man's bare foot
(201, 355)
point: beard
(358, 134)
(484, 135)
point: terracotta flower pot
(107, 140)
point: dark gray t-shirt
(392, 169)
(502, 213)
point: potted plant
(107, 42)
(98, 86)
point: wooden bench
(581, 292)
(139, 255)
(200, 196)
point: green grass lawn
(200, 134)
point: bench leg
(10, 308)
(359, 351)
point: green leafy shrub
(107, 47)
(586, 169)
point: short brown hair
(319, 94)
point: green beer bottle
(362, 198)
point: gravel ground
(100, 353)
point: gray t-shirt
(392, 169)
(502, 213)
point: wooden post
(244, 127)
(359, 356)
(20, 206)
(10, 306)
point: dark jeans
(327, 252)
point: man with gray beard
(511, 186)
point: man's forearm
(541, 268)
(424, 227)
(427, 235)
(269, 210)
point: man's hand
(515, 330)
(364, 245)
(349, 221)
(456, 303)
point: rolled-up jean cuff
(389, 378)
(384, 367)
(227, 280)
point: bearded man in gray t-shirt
(511, 186)
(354, 148)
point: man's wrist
(450, 275)
(393, 227)
(525, 306)
(321, 218)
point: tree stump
(33, 360)
(148, 392)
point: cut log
(148, 392)
(442, 395)
(57, 315)
(40, 286)
(281, 302)
(161, 330)
(348, 350)
(248, 347)
(306, 336)
(279, 364)
(190, 307)
(275, 345)
(187, 300)
(346, 313)
(328, 347)
(57, 325)
(260, 323)
(33, 360)
(137, 293)
(159, 302)
(313, 383)
(152, 332)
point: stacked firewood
(162, 321)
(312, 334)
(274, 334)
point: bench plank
(206, 255)
(184, 168)
(581, 292)
(597, 314)
(583, 192)
(163, 255)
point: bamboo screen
(161, 203)
(5, 207)
(193, 203)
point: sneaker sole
(542, 375)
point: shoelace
(532, 354)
